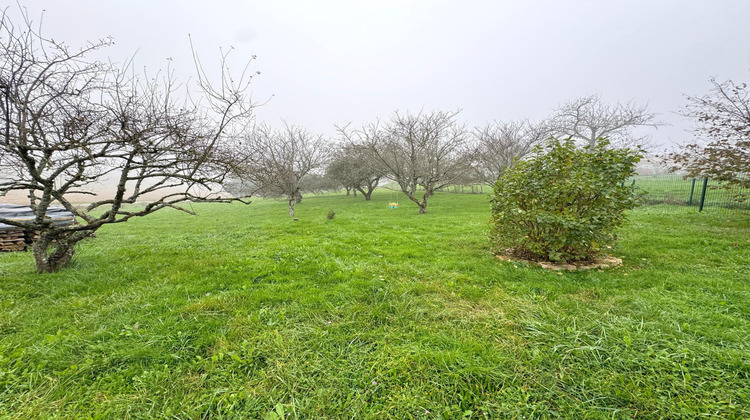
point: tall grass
(242, 312)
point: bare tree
(318, 182)
(344, 173)
(426, 150)
(723, 118)
(278, 160)
(499, 145)
(70, 123)
(588, 119)
(352, 167)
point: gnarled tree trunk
(53, 251)
(421, 203)
(371, 185)
(367, 194)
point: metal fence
(701, 193)
(467, 189)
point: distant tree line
(421, 153)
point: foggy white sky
(333, 61)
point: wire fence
(701, 193)
(467, 189)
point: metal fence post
(703, 195)
(692, 189)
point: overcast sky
(329, 62)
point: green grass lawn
(241, 312)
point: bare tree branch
(424, 150)
(277, 161)
(497, 146)
(722, 149)
(588, 119)
(354, 167)
(71, 123)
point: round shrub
(564, 203)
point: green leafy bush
(564, 203)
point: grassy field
(241, 312)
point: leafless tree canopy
(588, 119)
(722, 151)
(498, 145)
(70, 122)
(427, 150)
(354, 168)
(277, 161)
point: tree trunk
(291, 207)
(421, 203)
(52, 254)
(348, 190)
(366, 194)
(370, 188)
(298, 197)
